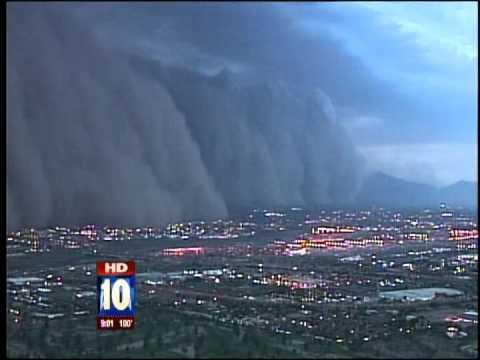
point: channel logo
(116, 295)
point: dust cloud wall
(100, 136)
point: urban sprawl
(306, 282)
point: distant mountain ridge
(386, 190)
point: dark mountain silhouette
(384, 190)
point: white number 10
(120, 287)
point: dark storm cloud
(263, 37)
(107, 136)
(270, 41)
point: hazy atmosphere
(148, 113)
(244, 180)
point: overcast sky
(401, 77)
(431, 49)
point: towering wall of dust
(273, 146)
(90, 142)
(96, 136)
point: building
(323, 241)
(468, 317)
(33, 239)
(183, 251)
(416, 236)
(457, 234)
(331, 229)
(294, 282)
(299, 251)
(363, 242)
(423, 294)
